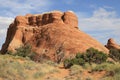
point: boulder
(111, 44)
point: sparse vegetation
(25, 51)
(19, 68)
(94, 56)
(115, 54)
(90, 56)
(76, 69)
(67, 63)
(112, 70)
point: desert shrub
(67, 63)
(24, 51)
(78, 60)
(79, 55)
(41, 58)
(115, 54)
(90, 56)
(102, 67)
(9, 52)
(94, 56)
(112, 70)
(76, 69)
(87, 66)
(115, 77)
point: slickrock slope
(111, 44)
(50, 34)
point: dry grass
(19, 68)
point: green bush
(80, 55)
(67, 63)
(115, 54)
(77, 61)
(94, 56)
(24, 51)
(90, 56)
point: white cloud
(103, 13)
(4, 23)
(15, 7)
(102, 25)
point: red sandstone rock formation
(50, 33)
(111, 44)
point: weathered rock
(32, 20)
(21, 21)
(111, 44)
(51, 34)
(70, 18)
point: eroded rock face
(111, 44)
(50, 34)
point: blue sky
(99, 18)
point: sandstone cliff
(49, 33)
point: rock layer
(50, 34)
(111, 44)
